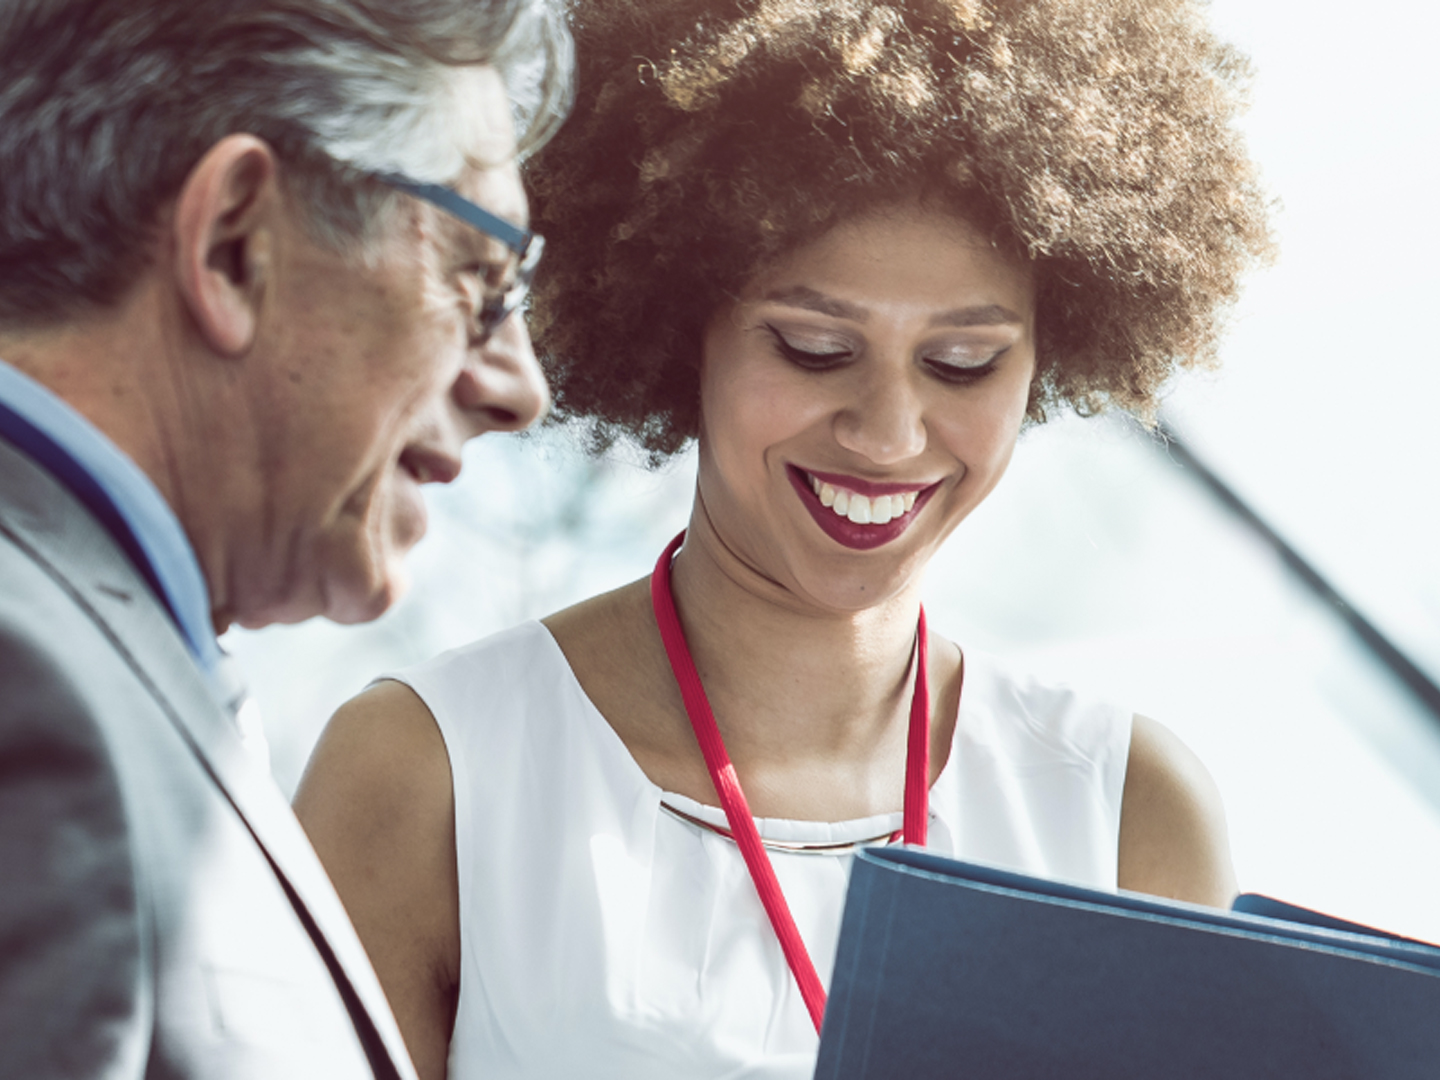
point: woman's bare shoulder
(614, 650)
(381, 746)
(377, 802)
(1173, 837)
(609, 620)
(596, 635)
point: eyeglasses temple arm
(515, 238)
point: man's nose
(501, 387)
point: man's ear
(226, 219)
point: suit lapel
(61, 535)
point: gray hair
(106, 106)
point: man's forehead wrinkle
(491, 174)
(489, 149)
(490, 154)
(498, 190)
(489, 139)
(509, 205)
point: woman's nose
(501, 387)
(885, 423)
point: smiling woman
(850, 249)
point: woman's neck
(801, 695)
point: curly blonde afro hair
(1093, 137)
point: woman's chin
(848, 582)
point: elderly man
(259, 261)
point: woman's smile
(860, 514)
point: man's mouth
(427, 466)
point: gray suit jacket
(161, 912)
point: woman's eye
(963, 370)
(811, 355)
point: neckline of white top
(821, 837)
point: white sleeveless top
(603, 936)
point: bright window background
(1099, 560)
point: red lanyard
(732, 799)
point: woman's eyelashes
(967, 369)
(813, 354)
(960, 366)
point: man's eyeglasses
(499, 296)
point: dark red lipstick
(843, 530)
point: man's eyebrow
(802, 296)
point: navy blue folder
(952, 969)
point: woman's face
(859, 399)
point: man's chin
(349, 606)
(342, 600)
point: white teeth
(862, 509)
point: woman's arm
(378, 803)
(1173, 840)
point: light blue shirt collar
(139, 503)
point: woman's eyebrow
(984, 315)
(802, 296)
